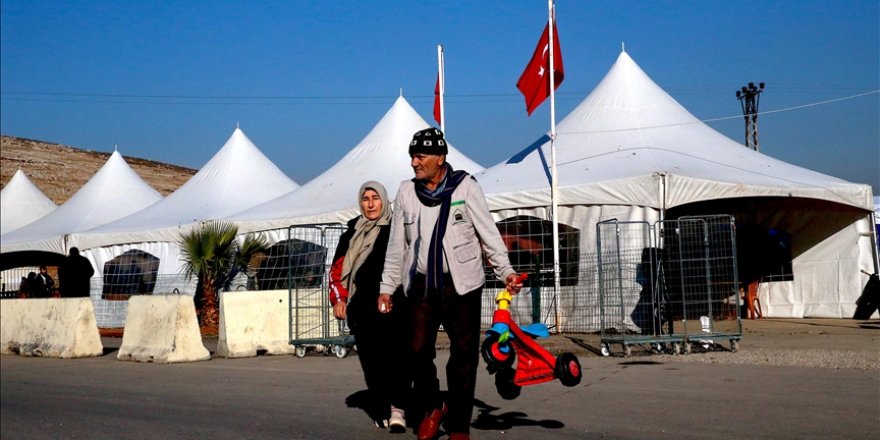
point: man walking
(440, 230)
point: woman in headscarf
(354, 289)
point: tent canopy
(21, 202)
(115, 191)
(237, 177)
(383, 156)
(630, 143)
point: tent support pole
(874, 243)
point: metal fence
(300, 263)
(668, 285)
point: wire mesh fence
(672, 282)
(300, 263)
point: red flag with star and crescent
(437, 101)
(534, 83)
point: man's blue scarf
(441, 196)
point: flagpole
(553, 183)
(441, 74)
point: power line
(318, 100)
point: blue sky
(306, 81)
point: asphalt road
(317, 397)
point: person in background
(45, 284)
(354, 289)
(28, 286)
(75, 274)
(440, 229)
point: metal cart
(670, 286)
(309, 253)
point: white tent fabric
(21, 202)
(877, 210)
(237, 177)
(115, 191)
(631, 145)
(383, 156)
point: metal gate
(671, 285)
(310, 250)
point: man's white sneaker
(397, 421)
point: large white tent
(115, 191)
(629, 151)
(383, 156)
(21, 202)
(237, 177)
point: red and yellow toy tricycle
(505, 341)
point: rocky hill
(60, 170)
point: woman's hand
(339, 310)
(384, 303)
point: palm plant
(212, 254)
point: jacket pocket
(409, 224)
(465, 252)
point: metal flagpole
(442, 74)
(553, 188)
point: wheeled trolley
(313, 327)
(669, 286)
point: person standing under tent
(440, 229)
(75, 274)
(45, 283)
(354, 289)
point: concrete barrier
(49, 327)
(162, 329)
(251, 322)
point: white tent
(115, 191)
(332, 197)
(21, 202)
(630, 151)
(238, 177)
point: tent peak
(623, 47)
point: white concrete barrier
(162, 329)
(49, 327)
(254, 321)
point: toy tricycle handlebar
(503, 298)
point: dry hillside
(60, 171)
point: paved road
(317, 397)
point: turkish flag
(437, 101)
(534, 83)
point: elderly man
(439, 231)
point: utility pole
(749, 97)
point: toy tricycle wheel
(568, 369)
(494, 357)
(504, 384)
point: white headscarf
(365, 233)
